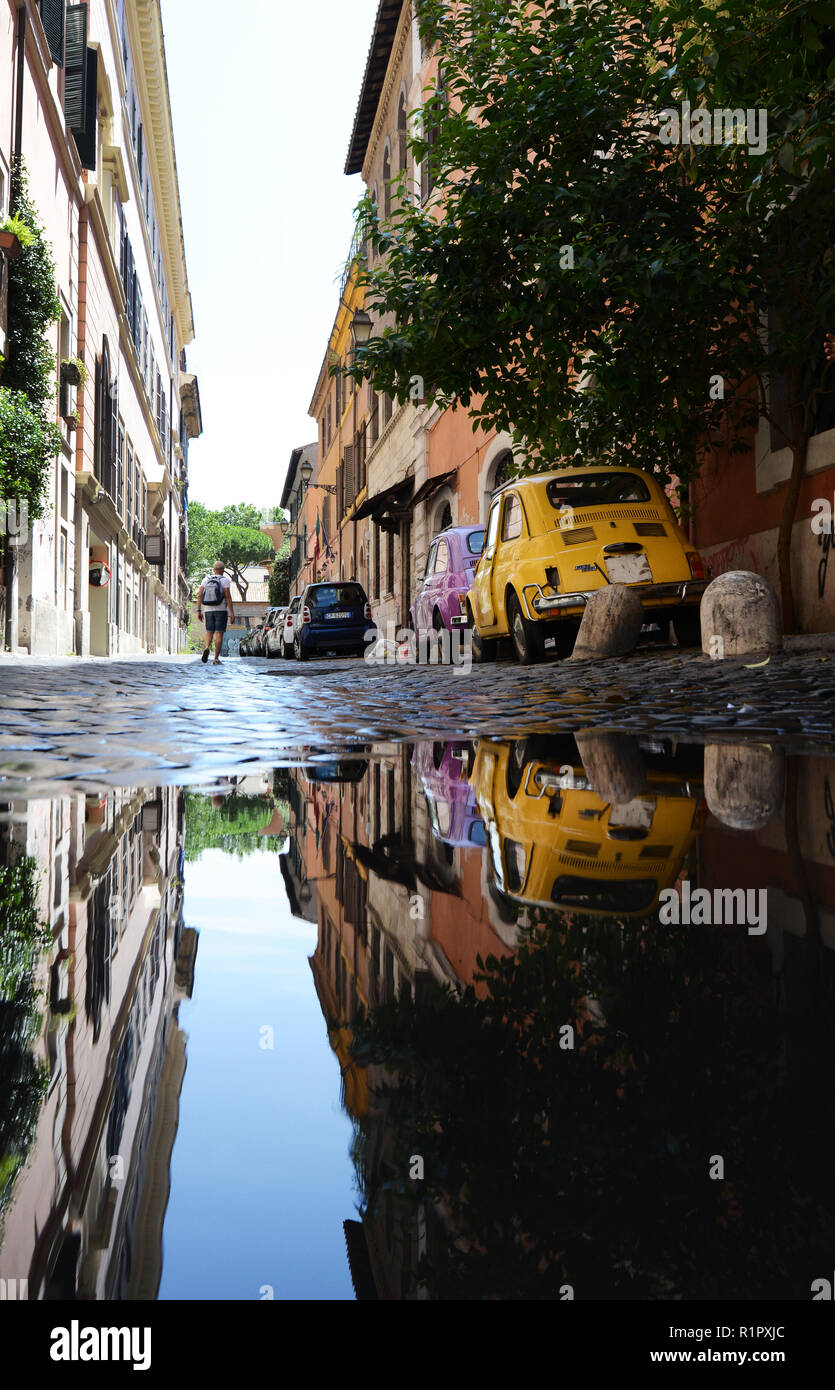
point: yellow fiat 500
(553, 538)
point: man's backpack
(212, 592)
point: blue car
(333, 617)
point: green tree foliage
(212, 538)
(23, 1081)
(29, 435)
(234, 825)
(587, 286)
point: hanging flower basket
(70, 373)
(10, 244)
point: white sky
(263, 94)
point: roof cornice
(153, 78)
(388, 22)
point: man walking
(215, 599)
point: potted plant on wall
(15, 234)
(72, 375)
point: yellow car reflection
(555, 843)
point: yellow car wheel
(484, 648)
(527, 641)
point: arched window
(369, 249)
(443, 518)
(498, 473)
(502, 470)
(432, 123)
(402, 132)
(387, 184)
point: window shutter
(97, 460)
(129, 282)
(75, 58)
(113, 434)
(350, 478)
(86, 140)
(121, 244)
(404, 147)
(52, 18)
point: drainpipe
(9, 551)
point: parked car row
(551, 540)
(328, 617)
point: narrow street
(104, 722)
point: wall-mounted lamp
(306, 473)
(361, 328)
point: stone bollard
(744, 783)
(611, 623)
(740, 616)
(614, 765)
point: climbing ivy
(29, 435)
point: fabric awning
(433, 485)
(391, 500)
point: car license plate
(331, 617)
(628, 569)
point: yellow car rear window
(595, 489)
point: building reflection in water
(83, 1189)
(524, 878)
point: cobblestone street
(143, 719)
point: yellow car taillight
(697, 564)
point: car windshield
(475, 542)
(336, 596)
(593, 489)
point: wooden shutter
(86, 140)
(121, 243)
(52, 18)
(130, 286)
(350, 475)
(114, 437)
(97, 462)
(75, 58)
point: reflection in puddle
(580, 992)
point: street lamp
(306, 473)
(361, 328)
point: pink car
(450, 564)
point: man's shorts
(216, 619)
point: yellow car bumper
(541, 605)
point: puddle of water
(508, 1018)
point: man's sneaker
(205, 657)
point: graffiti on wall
(728, 557)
